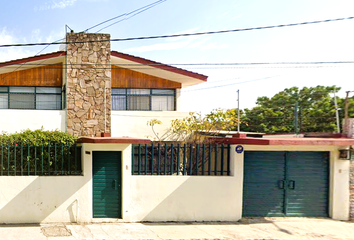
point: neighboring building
(89, 89)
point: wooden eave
(23, 61)
(126, 78)
(185, 77)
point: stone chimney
(88, 84)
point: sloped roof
(32, 62)
(135, 63)
(144, 63)
(33, 59)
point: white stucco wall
(173, 198)
(12, 120)
(134, 123)
(184, 198)
(35, 199)
(339, 176)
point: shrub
(39, 152)
(37, 137)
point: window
(143, 99)
(44, 98)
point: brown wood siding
(47, 76)
(126, 78)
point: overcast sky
(44, 21)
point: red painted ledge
(126, 140)
(289, 141)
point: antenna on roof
(238, 110)
(66, 28)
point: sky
(46, 20)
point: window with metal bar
(143, 99)
(181, 159)
(43, 98)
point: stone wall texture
(88, 82)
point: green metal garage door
(106, 173)
(285, 184)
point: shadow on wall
(38, 199)
(192, 199)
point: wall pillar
(351, 187)
(348, 130)
(88, 84)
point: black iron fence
(181, 159)
(40, 160)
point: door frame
(120, 188)
(286, 163)
(338, 204)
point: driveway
(248, 228)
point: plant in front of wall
(37, 152)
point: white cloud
(214, 45)
(5, 37)
(193, 30)
(35, 36)
(196, 42)
(223, 14)
(11, 53)
(61, 4)
(237, 16)
(160, 46)
(200, 42)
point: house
(88, 89)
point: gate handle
(291, 184)
(281, 184)
(114, 184)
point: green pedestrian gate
(106, 174)
(285, 184)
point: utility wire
(185, 34)
(135, 12)
(201, 64)
(230, 84)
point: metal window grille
(40, 160)
(181, 159)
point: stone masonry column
(88, 84)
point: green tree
(189, 128)
(315, 110)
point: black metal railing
(181, 159)
(40, 160)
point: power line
(183, 35)
(226, 85)
(139, 10)
(198, 64)
(135, 12)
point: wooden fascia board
(159, 65)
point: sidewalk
(257, 228)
